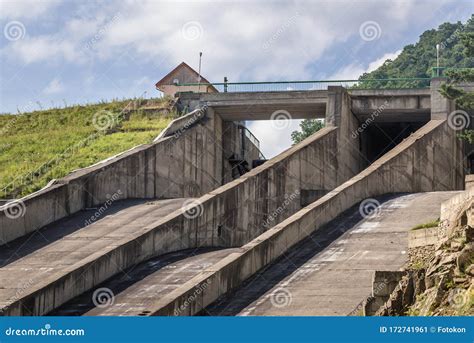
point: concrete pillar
(334, 106)
(441, 107)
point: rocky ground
(440, 278)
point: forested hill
(416, 60)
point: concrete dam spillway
(202, 225)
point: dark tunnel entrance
(381, 137)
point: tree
(464, 100)
(416, 60)
(307, 127)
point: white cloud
(272, 140)
(54, 87)
(42, 48)
(246, 40)
(380, 61)
(354, 70)
(17, 9)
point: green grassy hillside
(44, 145)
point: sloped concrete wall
(187, 163)
(231, 215)
(397, 171)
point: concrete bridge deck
(47, 254)
(391, 105)
(331, 271)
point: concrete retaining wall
(383, 284)
(423, 237)
(421, 163)
(185, 162)
(231, 215)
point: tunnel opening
(378, 138)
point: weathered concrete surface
(391, 105)
(398, 104)
(411, 167)
(423, 237)
(229, 216)
(36, 272)
(383, 284)
(327, 276)
(237, 106)
(441, 107)
(185, 162)
(359, 248)
(138, 287)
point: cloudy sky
(67, 52)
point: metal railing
(266, 86)
(252, 139)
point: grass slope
(44, 145)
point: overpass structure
(172, 220)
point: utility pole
(199, 77)
(437, 60)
